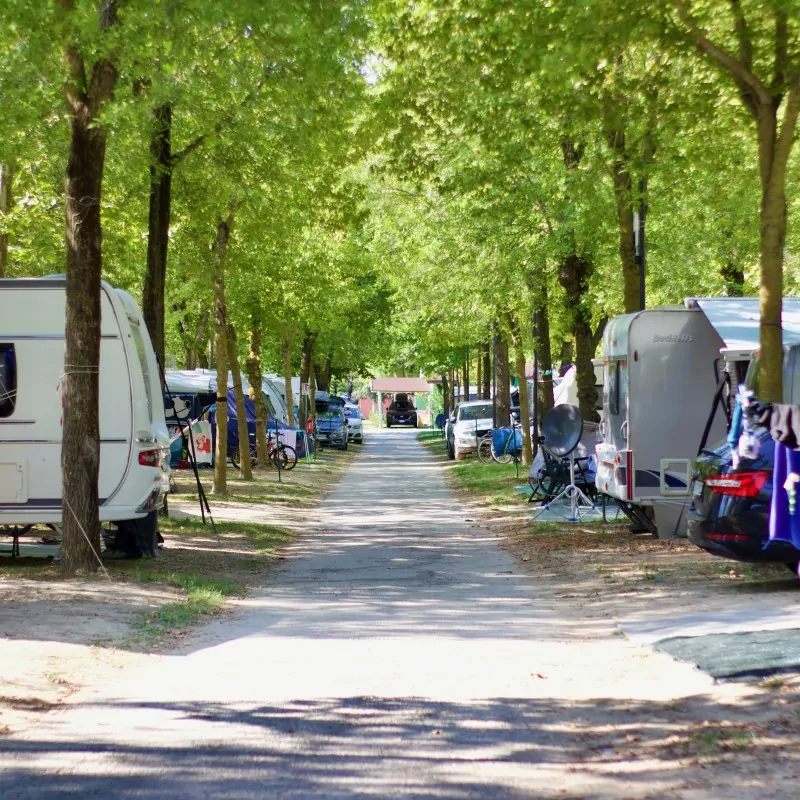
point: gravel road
(396, 653)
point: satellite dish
(562, 429)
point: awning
(191, 381)
(400, 385)
(736, 319)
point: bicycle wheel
(503, 458)
(235, 460)
(278, 457)
(485, 450)
(291, 456)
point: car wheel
(388, 423)
(794, 566)
(450, 454)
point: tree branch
(743, 35)
(598, 334)
(781, 51)
(754, 93)
(783, 146)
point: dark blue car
(331, 423)
(730, 511)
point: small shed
(382, 386)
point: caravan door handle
(623, 430)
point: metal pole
(639, 226)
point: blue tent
(250, 411)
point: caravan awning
(736, 319)
(191, 381)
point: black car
(730, 511)
(401, 412)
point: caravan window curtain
(8, 380)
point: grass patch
(204, 596)
(492, 484)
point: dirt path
(400, 652)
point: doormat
(738, 656)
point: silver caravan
(661, 368)
(134, 444)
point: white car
(355, 427)
(468, 423)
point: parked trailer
(661, 369)
(134, 443)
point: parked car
(401, 412)
(355, 427)
(729, 516)
(331, 423)
(468, 422)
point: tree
(90, 82)
(763, 62)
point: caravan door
(613, 455)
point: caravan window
(142, 353)
(8, 380)
(611, 388)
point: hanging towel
(784, 518)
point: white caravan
(134, 443)
(661, 369)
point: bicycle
(511, 445)
(276, 452)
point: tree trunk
(288, 332)
(446, 395)
(312, 393)
(80, 449)
(524, 406)
(502, 381)
(195, 349)
(323, 373)
(623, 196)
(220, 485)
(774, 151)
(487, 371)
(6, 202)
(574, 273)
(466, 373)
(733, 275)
(544, 359)
(479, 371)
(158, 226)
(306, 354)
(245, 469)
(255, 376)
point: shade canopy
(400, 385)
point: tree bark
(487, 371)
(245, 469)
(158, 226)
(288, 333)
(224, 228)
(479, 370)
(6, 202)
(540, 320)
(614, 128)
(446, 395)
(255, 376)
(306, 355)
(323, 373)
(502, 381)
(312, 393)
(86, 96)
(466, 373)
(524, 405)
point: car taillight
(150, 458)
(738, 484)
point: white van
(134, 443)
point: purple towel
(784, 518)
